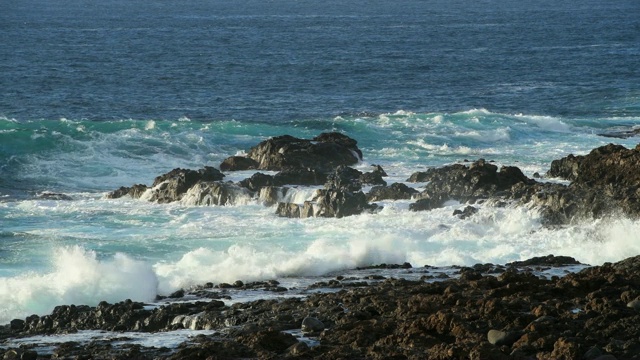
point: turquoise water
(101, 95)
(92, 248)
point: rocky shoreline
(481, 312)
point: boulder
(374, 177)
(235, 163)
(300, 176)
(465, 213)
(480, 180)
(173, 185)
(395, 191)
(257, 181)
(311, 325)
(325, 151)
(344, 178)
(134, 191)
(216, 193)
(328, 203)
(338, 203)
(271, 195)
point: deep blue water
(95, 95)
(254, 60)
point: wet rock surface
(326, 150)
(516, 314)
(603, 183)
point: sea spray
(78, 277)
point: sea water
(101, 95)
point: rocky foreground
(485, 312)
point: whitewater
(64, 242)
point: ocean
(95, 95)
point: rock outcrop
(603, 183)
(173, 185)
(325, 151)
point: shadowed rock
(174, 184)
(395, 191)
(325, 151)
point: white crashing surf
(78, 277)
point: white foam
(77, 277)
(547, 123)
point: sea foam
(78, 277)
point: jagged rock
(602, 167)
(134, 191)
(425, 204)
(216, 193)
(271, 195)
(565, 168)
(299, 176)
(480, 180)
(395, 191)
(581, 315)
(328, 203)
(174, 184)
(466, 212)
(344, 178)
(635, 305)
(235, 163)
(325, 151)
(289, 210)
(337, 203)
(257, 181)
(378, 169)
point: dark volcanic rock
(325, 151)
(395, 191)
(374, 177)
(300, 176)
(565, 168)
(549, 260)
(604, 183)
(466, 212)
(216, 193)
(174, 184)
(328, 203)
(257, 181)
(344, 178)
(135, 191)
(622, 134)
(336, 203)
(235, 163)
(603, 166)
(480, 180)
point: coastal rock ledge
(508, 314)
